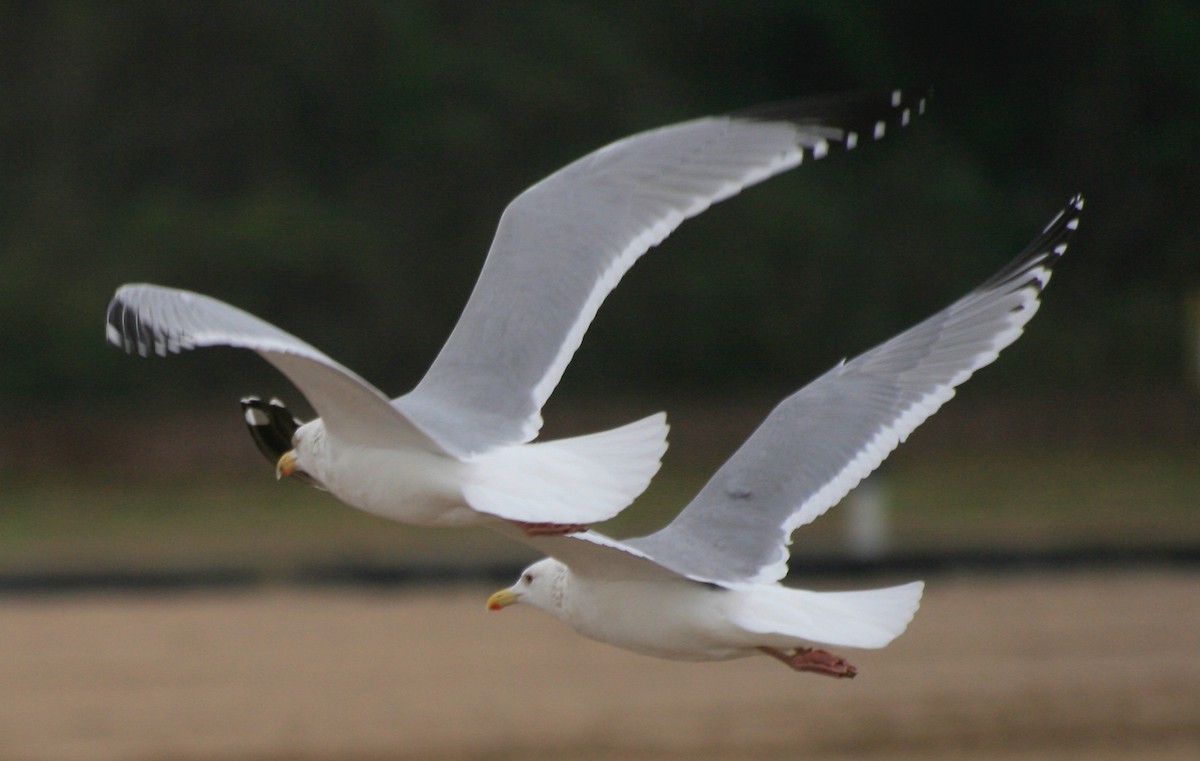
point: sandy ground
(1085, 666)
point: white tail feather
(870, 618)
(585, 479)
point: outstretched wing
(150, 318)
(562, 245)
(820, 442)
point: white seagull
(706, 587)
(456, 449)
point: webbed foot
(551, 529)
(815, 660)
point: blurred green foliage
(338, 168)
(1061, 500)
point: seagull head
(541, 585)
(308, 447)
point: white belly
(677, 620)
(411, 486)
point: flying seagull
(456, 449)
(706, 587)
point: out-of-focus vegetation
(339, 168)
(1066, 501)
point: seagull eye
(527, 578)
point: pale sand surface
(1097, 666)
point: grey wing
(821, 441)
(150, 318)
(562, 245)
(590, 553)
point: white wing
(145, 318)
(562, 245)
(820, 442)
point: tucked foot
(814, 660)
(551, 529)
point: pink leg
(814, 660)
(550, 529)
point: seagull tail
(870, 618)
(585, 479)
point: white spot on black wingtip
(880, 128)
(255, 416)
(905, 117)
(851, 140)
(921, 107)
(821, 149)
(1075, 204)
(897, 97)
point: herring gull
(706, 586)
(456, 449)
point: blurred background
(339, 168)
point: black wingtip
(1053, 240)
(1044, 252)
(113, 332)
(124, 330)
(271, 425)
(848, 119)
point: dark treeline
(339, 168)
